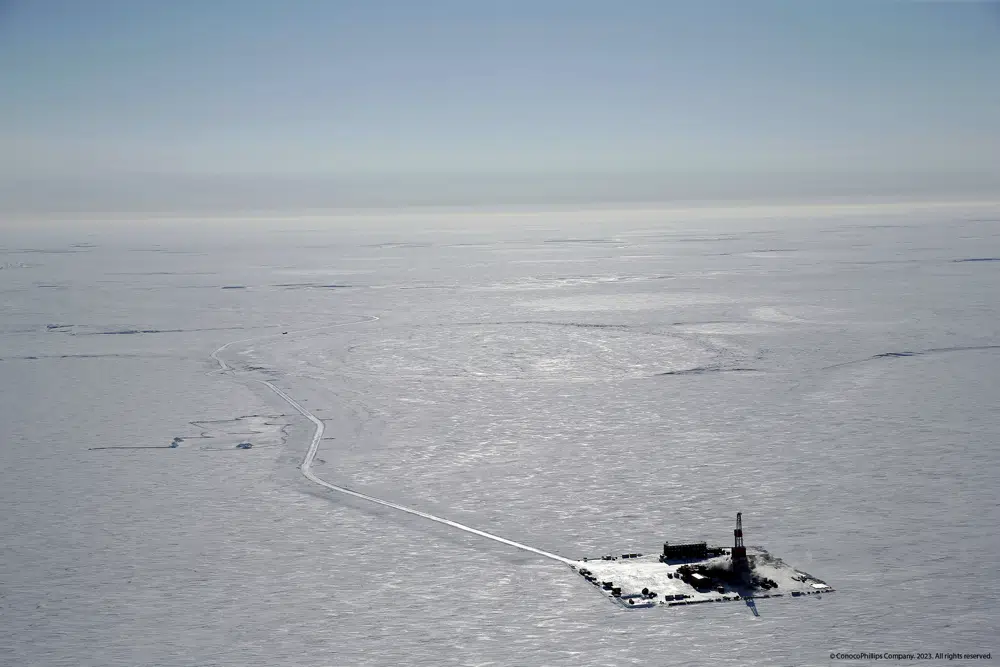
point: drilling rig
(741, 565)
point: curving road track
(307, 461)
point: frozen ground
(583, 387)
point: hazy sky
(117, 103)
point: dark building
(698, 580)
(691, 551)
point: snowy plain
(582, 383)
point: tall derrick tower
(740, 562)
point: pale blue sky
(404, 100)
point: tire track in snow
(320, 429)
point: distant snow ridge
(917, 353)
(555, 282)
(700, 370)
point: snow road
(307, 460)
